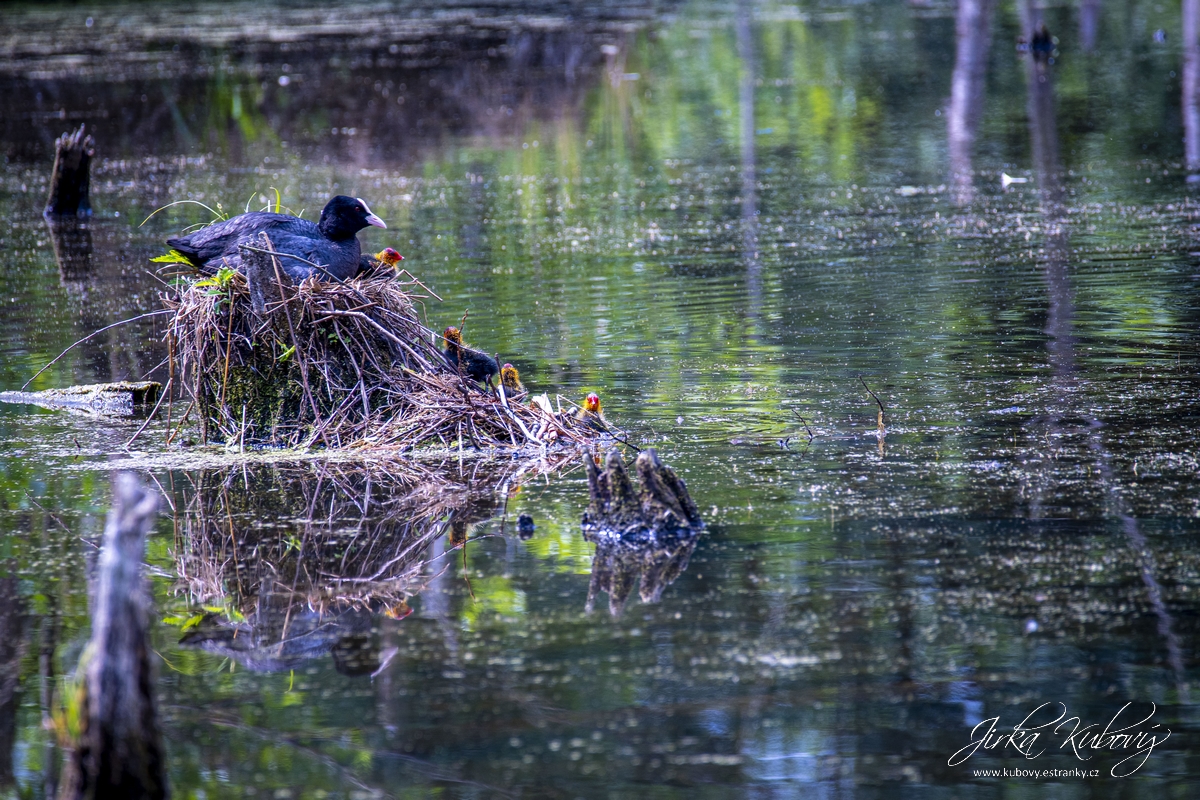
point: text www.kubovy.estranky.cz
(1036, 773)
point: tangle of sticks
(337, 364)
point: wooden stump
(663, 502)
(70, 182)
(119, 752)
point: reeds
(335, 364)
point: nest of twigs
(265, 361)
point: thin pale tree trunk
(1191, 81)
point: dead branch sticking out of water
(95, 333)
(119, 749)
(803, 422)
(343, 364)
(879, 421)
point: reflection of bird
(525, 527)
(1042, 44)
(472, 363)
(510, 379)
(591, 415)
(397, 611)
(331, 243)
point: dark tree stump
(662, 504)
(119, 752)
(71, 180)
(618, 562)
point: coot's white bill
(371, 218)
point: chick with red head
(390, 257)
(591, 415)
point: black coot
(330, 243)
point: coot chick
(462, 359)
(386, 257)
(330, 243)
(510, 379)
(590, 415)
(390, 257)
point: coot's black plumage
(468, 361)
(331, 243)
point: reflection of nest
(301, 558)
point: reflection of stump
(72, 239)
(650, 532)
(119, 752)
(657, 559)
(71, 180)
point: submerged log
(119, 749)
(70, 182)
(648, 532)
(108, 399)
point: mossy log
(118, 399)
(70, 182)
(119, 748)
